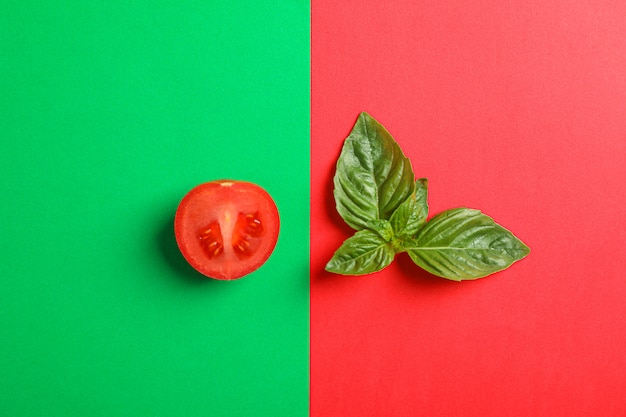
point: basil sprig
(377, 195)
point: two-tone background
(110, 112)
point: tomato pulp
(226, 229)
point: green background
(109, 113)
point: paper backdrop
(110, 112)
(515, 108)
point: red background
(517, 108)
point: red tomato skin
(226, 229)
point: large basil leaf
(412, 213)
(363, 253)
(463, 243)
(373, 176)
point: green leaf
(412, 213)
(382, 227)
(373, 176)
(363, 253)
(463, 243)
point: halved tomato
(226, 229)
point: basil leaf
(463, 243)
(382, 227)
(363, 253)
(411, 214)
(373, 176)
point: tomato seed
(253, 224)
(211, 240)
(247, 228)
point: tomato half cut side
(226, 229)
